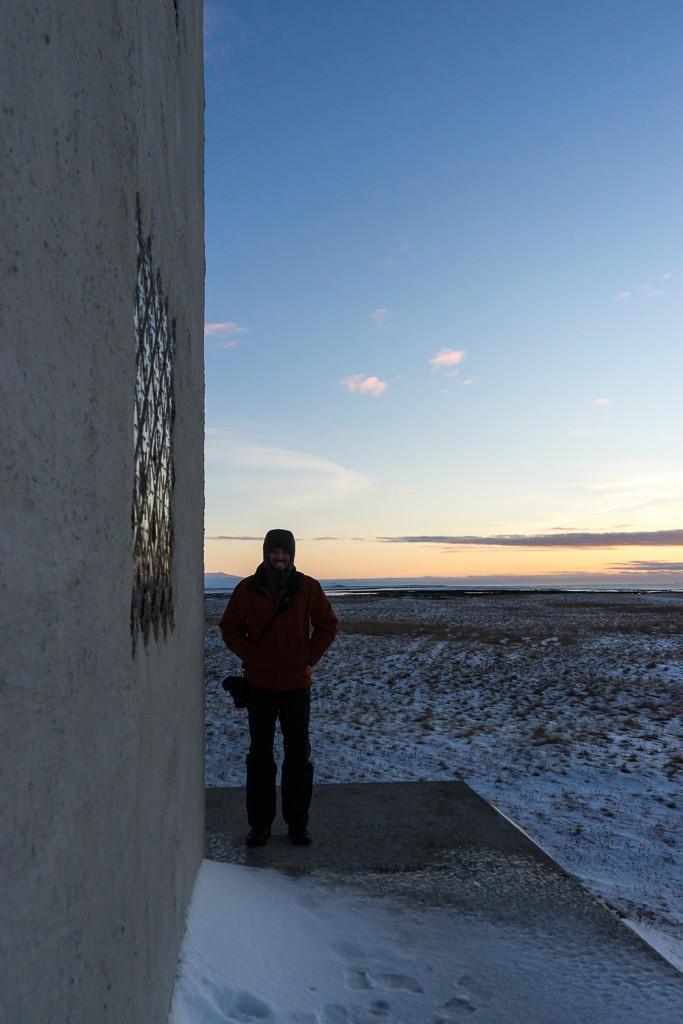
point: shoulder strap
(293, 585)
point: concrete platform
(440, 845)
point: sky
(444, 286)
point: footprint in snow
(350, 952)
(335, 1013)
(470, 994)
(402, 982)
(228, 1005)
(357, 979)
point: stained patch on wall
(152, 516)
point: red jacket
(297, 639)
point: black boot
(258, 836)
(300, 836)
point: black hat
(279, 539)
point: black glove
(237, 687)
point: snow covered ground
(564, 710)
(261, 946)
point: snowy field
(564, 710)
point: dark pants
(293, 708)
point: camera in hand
(237, 687)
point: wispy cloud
(638, 478)
(646, 538)
(447, 359)
(403, 246)
(224, 537)
(379, 317)
(226, 31)
(637, 567)
(585, 433)
(224, 334)
(603, 401)
(648, 290)
(277, 477)
(361, 385)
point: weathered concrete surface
(440, 845)
(101, 750)
(363, 828)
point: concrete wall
(101, 741)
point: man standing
(279, 623)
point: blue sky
(444, 285)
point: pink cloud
(224, 333)
(447, 359)
(364, 385)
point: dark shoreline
(339, 590)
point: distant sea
(215, 583)
(453, 591)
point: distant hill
(391, 581)
(220, 581)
